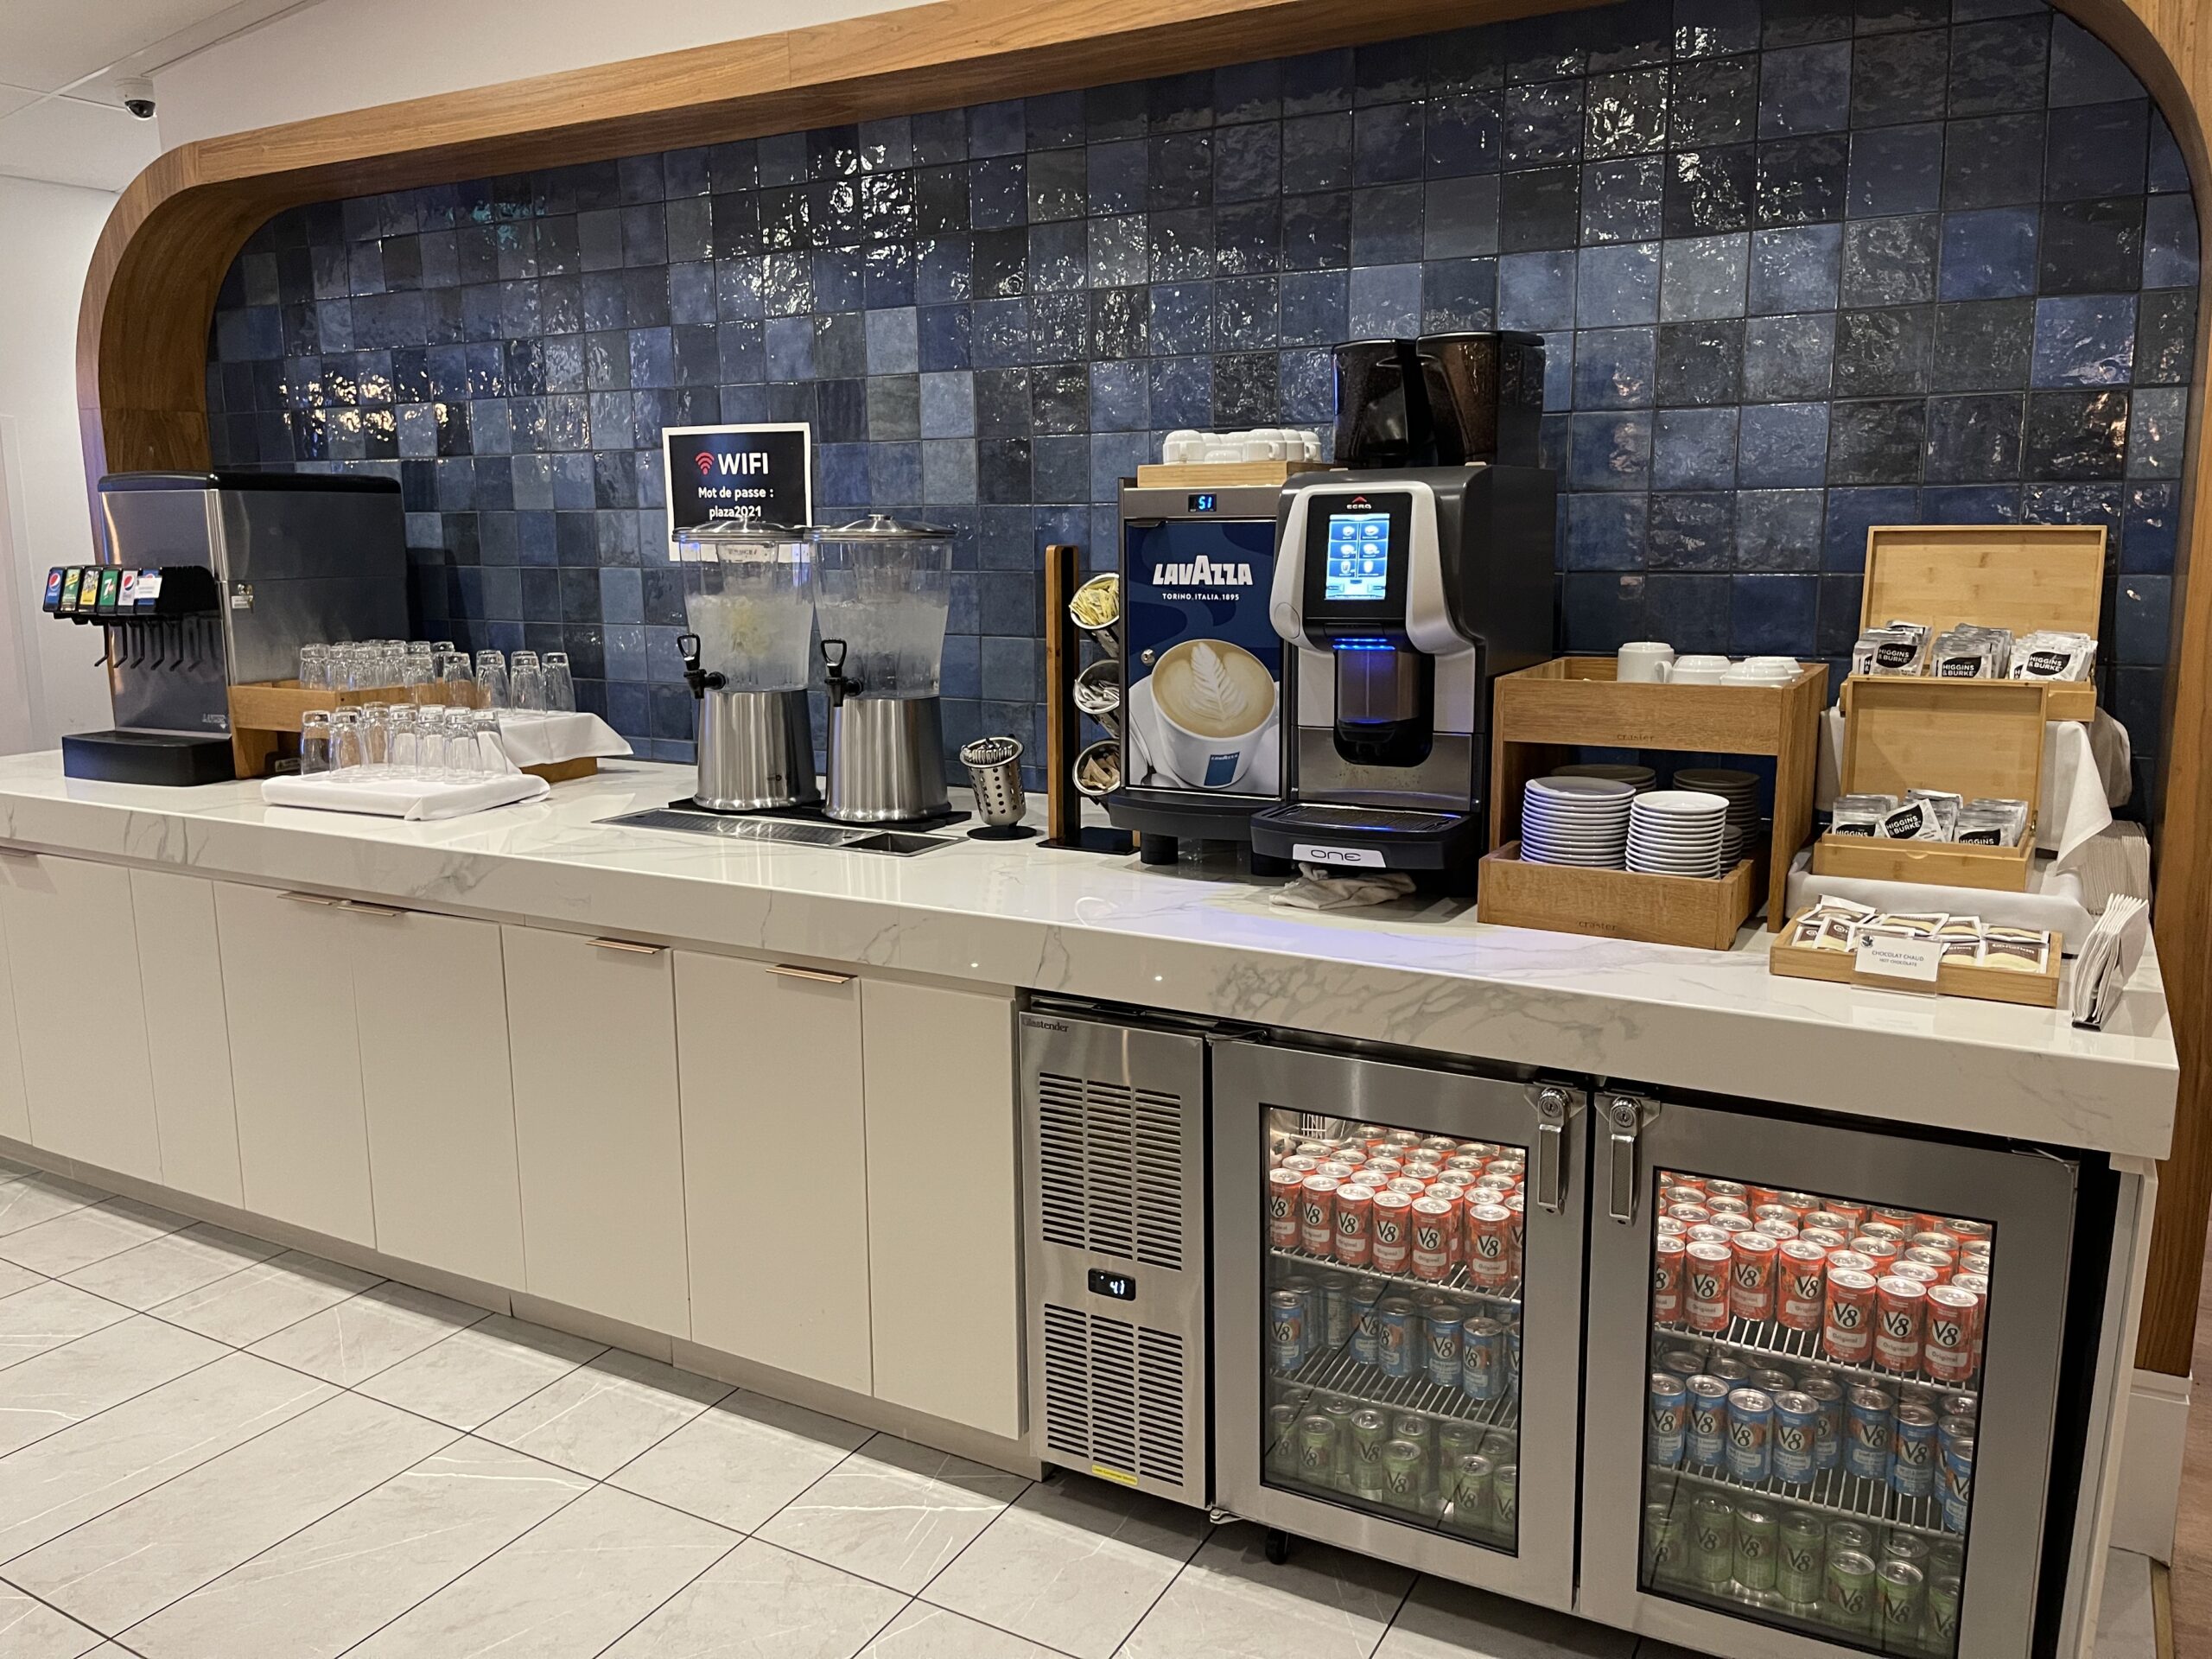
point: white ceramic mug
(1642, 662)
(1697, 670)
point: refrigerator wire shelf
(1833, 1492)
(1767, 1340)
(1457, 1284)
(1338, 1372)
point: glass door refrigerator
(1397, 1323)
(1825, 1377)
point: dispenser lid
(741, 529)
(879, 527)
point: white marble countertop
(1422, 974)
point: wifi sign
(705, 462)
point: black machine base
(1441, 849)
(926, 821)
(175, 759)
(1001, 832)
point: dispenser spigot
(697, 678)
(833, 673)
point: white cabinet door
(430, 992)
(188, 1041)
(80, 1015)
(944, 1245)
(770, 1068)
(295, 1059)
(593, 1031)
(15, 1104)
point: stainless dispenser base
(756, 751)
(886, 760)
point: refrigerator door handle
(1624, 1116)
(1555, 1105)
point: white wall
(47, 234)
(341, 54)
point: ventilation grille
(1114, 1395)
(1110, 1169)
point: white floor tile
(894, 1512)
(48, 1314)
(30, 1630)
(1450, 1621)
(327, 1587)
(354, 1340)
(474, 1375)
(1230, 1602)
(88, 1469)
(142, 1555)
(564, 1589)
(759, 1602)
(31, 1199)
(926, 1632)
(741, 1460)
(150, 1275)
(255, 1301)
(596, 1419)
(83, 1236)
(1073, 1564)
(44, 1394)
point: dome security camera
(137, 96)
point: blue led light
(1362, 643)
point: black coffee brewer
(1442, 400)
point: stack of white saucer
(1741, 790)
(1677, 832)
(1639, 779)
(1580, 821)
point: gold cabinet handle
(630, 945)
(820, 975)
(322, 899)
(359, 907)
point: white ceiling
(61, 117)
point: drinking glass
(491, 746)
(456, 676)
(420, 669)
(315, 667)
(348, 744)
(460, 746)
(527, 683)
(492, 680)
(402, 751)
(560, 687)
(314, 742)
(376, 735)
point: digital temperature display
(1207, 503)
(1121, 1286)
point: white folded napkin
(402, 797)
(545, 739)
(2109, 957)
(1323, 887)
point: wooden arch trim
(150, 294)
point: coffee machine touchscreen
(1358, 557)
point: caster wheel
(1278, 1547)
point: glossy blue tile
(1771, 614)
(1692, 531)
(1610, 451)
(1618, 286)
(1605, 532)
(1384, 300)
(1782, 444)
(1693, 450)
(1989, 254)
(1853, 512)
(2085, 340)
(1614, 368)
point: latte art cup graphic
(1214, 699)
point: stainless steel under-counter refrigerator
(1759, 1382)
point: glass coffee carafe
(883, 591)
(749, 598)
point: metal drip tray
(899, 843)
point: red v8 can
(1901, 1320)
(1282, 1208)
(1490, 1245)
(1355, 1214)
(1317, 1215)
(1705, 1285)
(1954, 1323)
(1392, 1229)
(1432, 1231)
(1847, 1330)
(1803, 1271)
(1751, 1290)
(1666, 1281)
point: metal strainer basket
(994, 773)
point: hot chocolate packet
(1970, 652)
(1912, 820)
(1849, 909)
(1920, 924)
(2017, 950)
(1897, 648)
(1815, 932)
(1946, 806)
(2055, 654)
(1961, 938)
(1860, 815)
(1992, 822)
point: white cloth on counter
(2114, 864)
(545, 739)
(2054, 900)
(2085, 774)
(1326, 886)
(402, 797)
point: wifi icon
(704, 462)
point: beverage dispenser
(749, 597)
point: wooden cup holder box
(1975, 738)
(2018, 576)
(265, 714)
(1616, 904)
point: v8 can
(1954, 1325)
(1847, 1596)
(1286, 1329)
(1847, 1330)
(1870, 1416)
(1913, 1455)
(1283, 1185)
(1750, 1435)
(1750, 1288)
(1667, 1258)
(1317, 1215)
(1902, 1312)
(1706, 1444)
(1392, 1229)
(1489, 1228)
(1432, 1228)
(1667, 1424)
(1485, 1373)
(1827, 1442)
(1366, 1329)
(1440, 1324)
(1796, 1432)
(1398, 1327)
(1800, 1297)
(1800, 1551)
(1705, 1285)
(1355, 1216)
(1958, 1482)
(1757, 1538)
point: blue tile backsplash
(1802, 266)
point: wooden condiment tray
(1616, 903)
(1223, 475)
(1952, 978)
